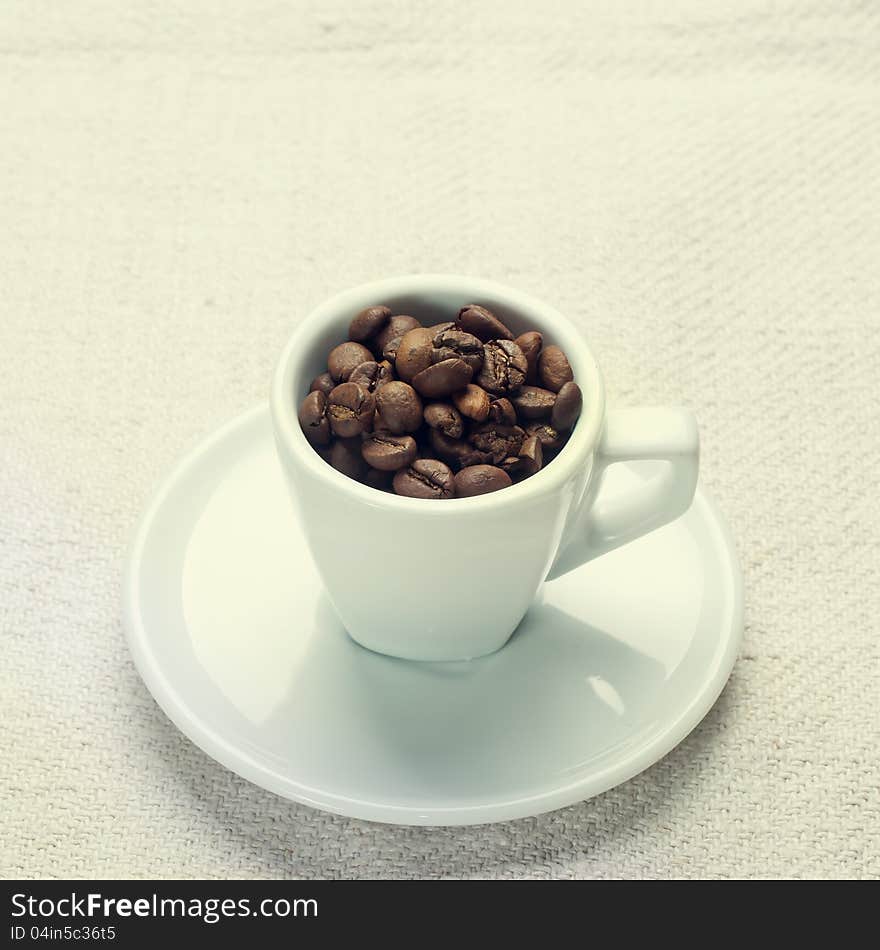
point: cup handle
(668, 435)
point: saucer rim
(176, 708)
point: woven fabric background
(696, 184)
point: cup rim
(293, 443)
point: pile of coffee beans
(452, 410)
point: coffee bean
(456, 452)
(549, 437)
(389, 452)
(350, 408)
(425, 478)
(389, 351)
(399, 406)
(554, 370)
(443, 379)
(567, 408)
(372, 375)
(392, 333)
(480, 480)
(450, 343)
(414, 353)
(313, 418)
(345, 456)
(531, 456)
(504, 367)
(344, 358)
(447, 448)
(472, 401)
(502, 411)
(532, 402)
(497, 440)
(482, 323)
(368, 323)
(322, 383)
(530, 343)
(444, 418)
(499, 408)
(528, 462)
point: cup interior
(433, 299)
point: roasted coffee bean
(345, 456)
(497, 440)
(549, 437)
(443, 379)
(382, 481)
(456, 452)
(482, 323)
(567, 407)
(399, 324)
(368, 323)
(414, 353)
(344, 358)
(389, 452)
(450, 343)
(389, 351)
(528, 462)
(439, 446)
(504, 367)
(530, 343)
(350, 408)
(449, 449)
(322, 383)
(502, 411)
(531, 456)
(425, 478)
(554, 370)
(472, 401)
(497, 408)
(480, 480)
(444, 418)
(372, 375)
(313, 418)
(399, 407)
(391, 334)
(532, 402)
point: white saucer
(230, 630)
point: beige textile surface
(696, 184)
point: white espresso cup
(451, 580)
